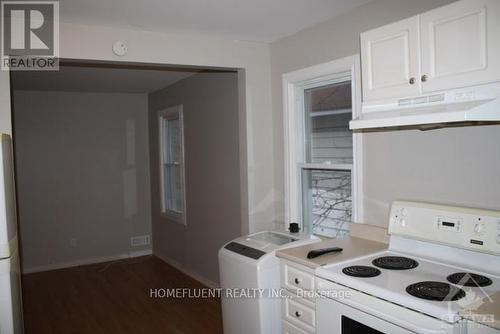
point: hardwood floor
(114, 297)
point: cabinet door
(460, 45)
(390, 60)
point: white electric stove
(442, 263)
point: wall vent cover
(140, 240)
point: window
(323, 177)
(326, 192)
(172, 164)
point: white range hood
(472, 104)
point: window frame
(294, 84)
(175, 112)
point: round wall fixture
(120, 48)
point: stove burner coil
(361, 271)
(469, 279)
(438, 291)
(395, 262)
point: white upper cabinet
(460, 44)
(390, 62)
(449, 47)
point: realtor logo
(30, 35)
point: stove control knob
(403, 223)
(479, 228)
(404, 212)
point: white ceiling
(97, 79)
(255, 20)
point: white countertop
(352, 247)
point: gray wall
(210, 102)
(83, 173)
(455, 165)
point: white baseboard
(83, 262)
(143, 252)
(189, 272)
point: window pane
(179, 198)
(174, 140)
(164, 137)
(173, 188)
(328, 110)
(169, 179)
(327, 201)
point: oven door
(337, 318)
(358, 312)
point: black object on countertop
(318, 252)
(294, 228)
(245, 250)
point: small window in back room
(326, 173)
(172, 182)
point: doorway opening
(89, 148)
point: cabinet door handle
(424, 78)
(412, 81)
